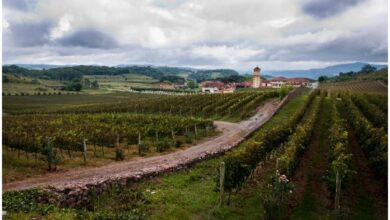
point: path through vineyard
(231, 135)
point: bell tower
(256, 77)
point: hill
(317, 72)
(76, 72)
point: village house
(245, 84)
(278, 82)
(266, 83)
(212, 86)
(167, 86)
(297, 82)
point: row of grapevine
(201, 105)
(378, 100)
(358, 86)
(372, 140)
(67, 131)
(299, 140)
(371, 111)
(239, 164)
(339, 155)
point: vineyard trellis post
(337, 194)
(85, 150)
(221, 182)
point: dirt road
(232, 134)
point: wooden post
(139, 144)
(196, 131)
(94, 149)
(117, 141)
(173, 135)
(221, 182)
(338, 188)
(85, 150)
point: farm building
(266, 83)
(167, 86)
(278, 82)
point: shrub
(162, 145)
(178, 143)
(50, 156)
(119, 155)
(188, 139)
(143, 148)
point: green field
(17, 104)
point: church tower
(256, 77)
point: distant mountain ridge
(78, 71)
(317, 72)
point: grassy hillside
(375, 82)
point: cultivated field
(303, 163)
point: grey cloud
(28, 34)
(359, 46)
(21, 5)
(327, 8)
(89, 39)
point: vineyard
(286, 145)
(357, 86)
(305, 161)
(214, 106)
(67, 131)
(96, 134)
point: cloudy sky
(238, 34)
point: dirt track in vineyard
(231, 135)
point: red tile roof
(279, 78)
(217, 84)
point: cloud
(198, 33)
(64, 25)
(326, 8)
(21, 5)
(27, 34)
(89, 39)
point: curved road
(232, 134)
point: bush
(50, 156)
(143, 148)
(178, 143)
(162, 145)
(188, 139)
(119, 155)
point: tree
(192, 84)
(95, 85)
(368, 69)
(87, 83)
(322, 78)
(74, 85)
